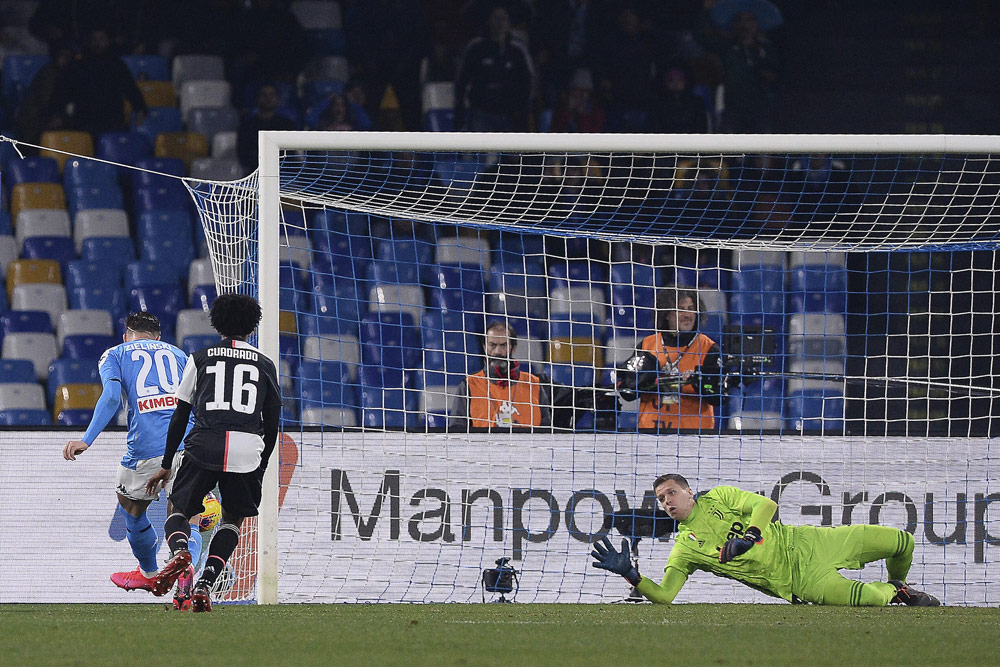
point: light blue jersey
(149, 372)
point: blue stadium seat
(78, 417)
(85, 172)
(815, 410)
(144, 273)
(6, 226)
(634, 321)
(25, 321)
(126, 147)
(413, 251)
(390, 408)
(111, 299)
(327, 383)
(148, 67)
(164, 301)
(174, 224)
(165, 165)
(390, 342)
(439, 120)
(59, 248)
(326, 42)
(32, 170)
(17, 370)
(70, 371)
(758, 298)
(104, 195)
(817, 289)
(159, 119)
(294, 289)
(195, 342)
(87, 346)
(81, 273)
(25, 418)
(561, 326)
(202, 296)
(337, 310)
(169, 195)
(176, 253)
(458, 288)
(572, 375)
(577, 273)
(16, 75)
(109, 251)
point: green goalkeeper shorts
(819, 551)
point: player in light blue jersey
(144, 373)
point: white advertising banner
(392, 517)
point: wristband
(753, 534)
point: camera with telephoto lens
(500, 579)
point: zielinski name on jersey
(154, 403)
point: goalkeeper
(729, 533)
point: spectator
(92, 91)
(626, 77)
(750, 69)
(493, 88)
(337, 115)
(501, 395)
(677, 371)
(579, 111)
(36, 114)
(675, 109)
(563, 36)
(265, 116)
(357, 99)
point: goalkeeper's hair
(667, 300)
(143, 322)
(671, 477)
(235, 315)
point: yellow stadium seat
(287, 323)
(184, 145)
(78, 143)
(76, 397)
(579, 351)
(36, 195)
(158, 93)
(22, 271)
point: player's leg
(835, 589)
(191, 483)
(892, 544)
(133, 501)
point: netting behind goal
(850, 300)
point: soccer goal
(848, 283)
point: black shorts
(239, 491)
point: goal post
(344, 171)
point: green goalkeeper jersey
(719, 515)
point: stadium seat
(83, 322)
(87, 346)
(295, 248)
(327, 383)
(203, 93)
(164, 197)
(394, 298)
(578, 303)
(111, 299)
(16, 370)
(193, 343)
(50, 297)
(817, 288)
(817, 335)
(194, 66)
(70, 371)
(175, 223)
(158, 93)
(758, 298)
(390, 343)
(76, 397)
(203, 296)
(216, 169)
(326, 41)
(212, 119)
(439, 120)
(99, 223)
(157, 120)
(25, 196)
(29, 271)
(32, 170)
(148, 67)
(144, 273)
(81, 417)
(83, 172)
(193, 322)
(21, 395)
(17, 73)
(329, 417)
(164, 301)
(10, 250)
(316, 14)
(435, 403)
(81, 273)
(184, 146)
(39, 348)
(812, 410)
(103, 196)
(174, 253)
(26, 417)
(110, 251)
(340, 347)
(24, 321)
(62, 142)
(44, 222)
(126, 147)
(57, 248)
(437, 95)
(223, 145)
(6, 224)
(387, 408)
(199, 273)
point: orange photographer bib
(515, 404)
(681, 408)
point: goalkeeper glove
(619, 562)
(740, 545)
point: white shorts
(132, 483)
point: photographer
(677, 372)
(501, 395)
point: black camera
(500, 579)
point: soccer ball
(211, 514)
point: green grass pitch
(497, 634)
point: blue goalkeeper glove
(619, 562)
(740, 545)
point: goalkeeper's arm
(665, 591)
